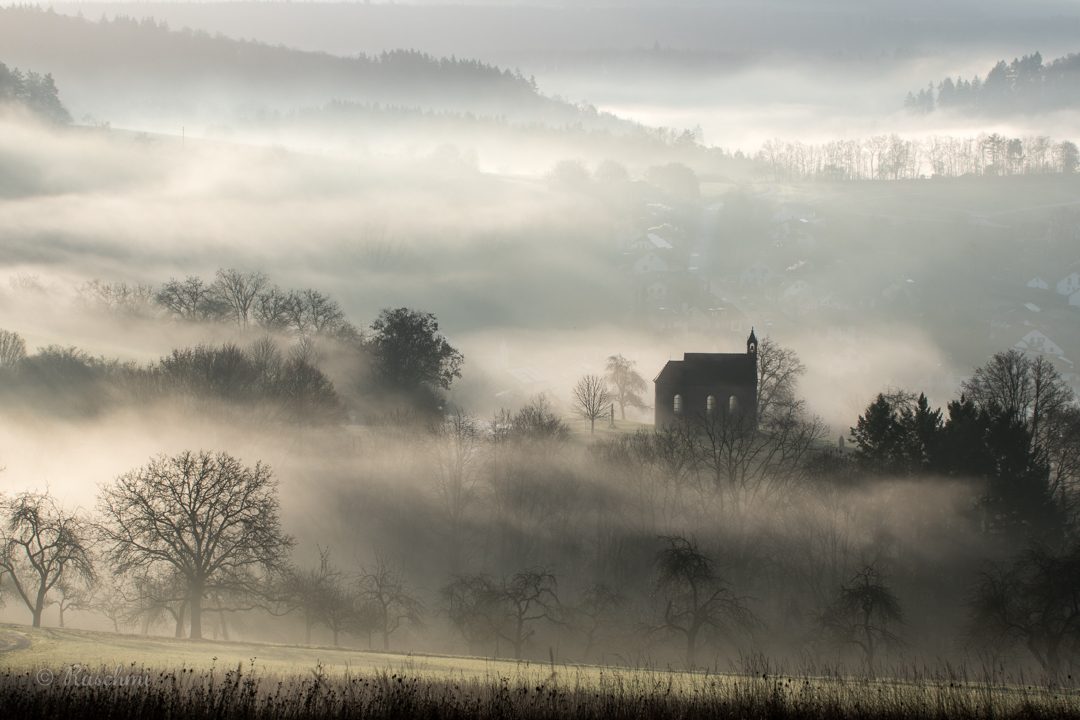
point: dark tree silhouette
(207, 517)
(861, 614)
(42, 546)
(695, 597)
(409, 354)
(396, 605)
(1034, 600)
(483, 609)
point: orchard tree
(484, 609)
(595, 614)
(695, 597)
(1033, 601)
(528, 596)
(396, 605)
(862, 614)
(205, 516)
(41, 547)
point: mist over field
(395, 281)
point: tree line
(948, 533)
(891, 157)
(35, 92)
(270, 374)
(1025, 85)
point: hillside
(118, 66)
(1027, 85)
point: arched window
(678, 404)
(733, 403)
(710, 404)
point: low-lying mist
(422, 337)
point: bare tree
(340, 610)
(72, 593)
(41, 545)
(528, 596)
(325, 596)
(751, 462)
(189, 299)
(271, 309)
(1028, 389)
(483, 609)
(473, 604)
(309, 395)
(455, 460)
(591, 399)
(238, 292)
(627, 383)
(595, 614)
(117, 298)
(312, 591)
(206, 516)
(779, 370)
(695, 596)
(861, 614)
(157, 596)
(12, 350)
(1035, 601)
(110, 599)
(397, 605)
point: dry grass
(610, 695)
(225, 680)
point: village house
(756, 274)
(1069, 284)
(1037, 341)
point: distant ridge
(147, 59)
(1026, 85)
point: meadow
(75, 673)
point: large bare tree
(41, 546)
(204, 515)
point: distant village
(663, 251)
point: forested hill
(145, 59)
(1026, 85)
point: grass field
(59, 648)
(228, 680)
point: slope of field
(249, 680)
(57, 649)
